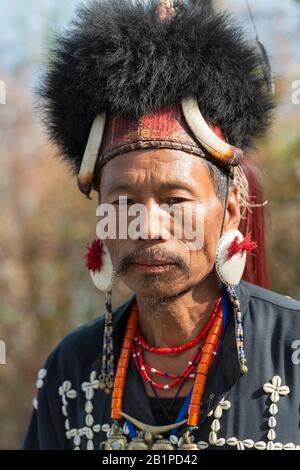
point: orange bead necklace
(210, 346)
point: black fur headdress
(119, 57)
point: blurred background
(46, 223)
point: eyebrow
(167, 186)
(118, 188)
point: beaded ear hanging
(239, 332)
(107, 374)
(230, 265)
(99, 263)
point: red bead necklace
(187, 372)
(139, 344)
(138, 356)
(183, 347)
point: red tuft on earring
(94, 255)
(237, 246)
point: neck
(177, 320)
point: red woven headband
(163, 128)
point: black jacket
(72, 412)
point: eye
(175, 200)
(123, 202)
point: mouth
(154, 266)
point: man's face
(159, 264)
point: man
(153, 104)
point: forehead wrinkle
(159, 171)
(156, 181)
(180, 174)
(126, 180)
(171, 174)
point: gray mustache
(146, 255)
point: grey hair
(239, 182)
(219, 179)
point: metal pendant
(162, 444)
(151, 436)
(187, 443)
(148, 428)
(138, 443)
(115, 441)
(149, 441)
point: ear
(233, 213)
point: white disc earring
(99, 263)
(231, 256)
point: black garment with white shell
(259, 410)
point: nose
(155, 223)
